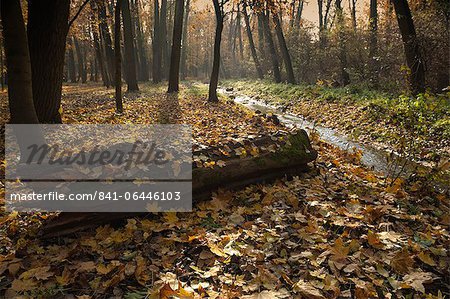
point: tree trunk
(47, 32)
(284, 50)
(261, 34)
(20, 92)
(184, 44)
(373, 42)
(82, 73)
(98, 49)
(118, 57)
(130, 58)
(345, 77)
(239, 33)
(271, 46)
(353, 11)
(174, 74)
(156, 45)
(214, 81)
(71, 61)
(251, 42)
(237, 173)
(411, 46)
(2, 66)
(106, 40)
(298, 15)
(144, 74)
(163, 39)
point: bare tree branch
(78, 12)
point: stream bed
(374, 158)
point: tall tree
(174, 73)
(251, 42)
(284, 50)
(20, 93)
(345, 77)
(72, 76)
(412, 51)
(82, 72)
(323, 21)
(106, 40)
(298, 14)
(163, 38)
(373, 42)
(214, 80)
(353, 12)
(99, 53)
(118, 57)
(184, 43)
(48, 20)
(156, 45)
(144, 73)
(130, 52)
(271, 47)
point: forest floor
(339, 230)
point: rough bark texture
(252, 43)
(411, 45)
(214, 80)
(47, 32)
(20, 93)
(174, 73)
(237, 173)
(284, 50)
(271, 47)
(130, 52)
(118, 57)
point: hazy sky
(310, 10)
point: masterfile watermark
(99, 168)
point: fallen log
(290, 159)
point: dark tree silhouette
(214, 80)
(412, 51)
(184, 44)
(71, 61)
(48, 25)
(106, 40)
(20, 93)
(118, 57)
(271, 47)
(373, 42)
(174, 73)
(156, 44)
(345, 77)
(251, 42)
(130, 52)
(284, 50)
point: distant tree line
(394, 42)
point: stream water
(372, 157)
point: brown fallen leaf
(305, 289)
(402, 261)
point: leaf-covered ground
(337, 231)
